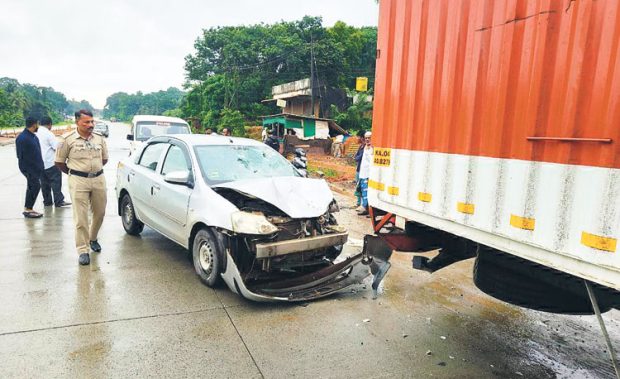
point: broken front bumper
(373, 260)
(273, 249)
(307, 287)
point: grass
(327, 172)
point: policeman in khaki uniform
(82, 155)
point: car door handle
(154, 189)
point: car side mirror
(179, 177)
(130, 137)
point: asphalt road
(140, 311)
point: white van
(144, 127)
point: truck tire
(530, 285)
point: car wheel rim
(128, 214)
(206, 257)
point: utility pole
(312, 75)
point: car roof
(144, 117)
(209, 139)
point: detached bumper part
(308, 287)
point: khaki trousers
(87, 194)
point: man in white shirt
(51, 180)
(365, 172)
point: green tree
(356, 117)
(233, 120)
(235, 67)
(123, 106)
(21, 100)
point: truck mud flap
(377, 253)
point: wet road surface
(139, 310)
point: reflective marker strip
(598, 242)
(522, 222)
(425, 197)
(465, 208)
(376, 185)
(393, 191)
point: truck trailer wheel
(530, 285)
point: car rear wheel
(206, 252)
(131, 224)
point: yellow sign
(465, 208)
(361, 84)
(382, 157)
(376, 185)
(522, 222)
(599, 242)
(425, 197)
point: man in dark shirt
(30, 164)
(272, 141)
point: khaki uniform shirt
(80, 154)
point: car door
(171, 200)
(142, 178)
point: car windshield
(100, 126)
(220, 164)
(148, 129)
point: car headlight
(250, 223)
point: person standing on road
(272, 141)
(51, 180)
(358, 159)
(30, 164)
(82, 154)
(365, 172)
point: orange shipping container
(499, 122)
(531, 80)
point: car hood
(297, 197)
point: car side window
(175, 161)
(151, 155)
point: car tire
(207, 257)
(131, 224)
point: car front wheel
(206, 252)
(131, 224)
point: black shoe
(94, 246)
(63, 204)
(84, 259)
(47, 204)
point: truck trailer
(496, 134)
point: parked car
(144, 127)
(243, 211)
(102, 128)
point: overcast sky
(90, 49)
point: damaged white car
(243, 211)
